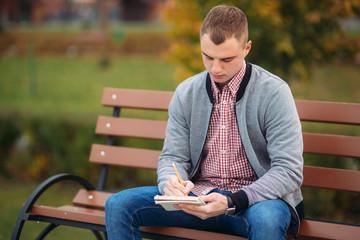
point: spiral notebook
(168, 202)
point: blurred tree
(288, 36)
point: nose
(216, 67)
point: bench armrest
(51, 181)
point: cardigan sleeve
(176, 145)
(284, 147)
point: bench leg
(17, 229)
(46, 231)
(97, 235)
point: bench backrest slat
(329, 144)
(130, 127)
(124, 156)
(332, 178)
(143, 99)
(330, 112)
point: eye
(227, 60)
(207, 56)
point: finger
(172, 192)
(173, 187)
(188, 186)
(193, 210)
(175, 181)
(177, 186)
(209, 198)
(212, 197)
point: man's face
(223, 61)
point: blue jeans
(126, 211)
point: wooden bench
(87, 209)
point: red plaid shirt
(224, 164)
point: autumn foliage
(288, 36)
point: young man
(235, 136)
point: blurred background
(56, 56)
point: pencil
(178, 176)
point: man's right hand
(174, 188)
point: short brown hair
(224, 22)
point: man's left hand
(216, 204)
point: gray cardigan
(269, 128)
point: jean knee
(110, 203)
(270, 216)
(131, 199)
(119, 200)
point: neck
(221, 86)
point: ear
(247, 47)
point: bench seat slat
(332, 178)
(124, 156)
(330, 112)
(328, 230)
(91, 198)
(129, 98)
(190, 233)
(71, 213)
(338, 145)
(129, 127)
(308, 227)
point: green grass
(330, 83)
(62, 86)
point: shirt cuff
(240, 200)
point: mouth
(217, 76)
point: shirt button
(223, 126)
(224, 176)
(224, 102)
(222, 151)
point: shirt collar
(233, 84)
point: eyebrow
(226, 58)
